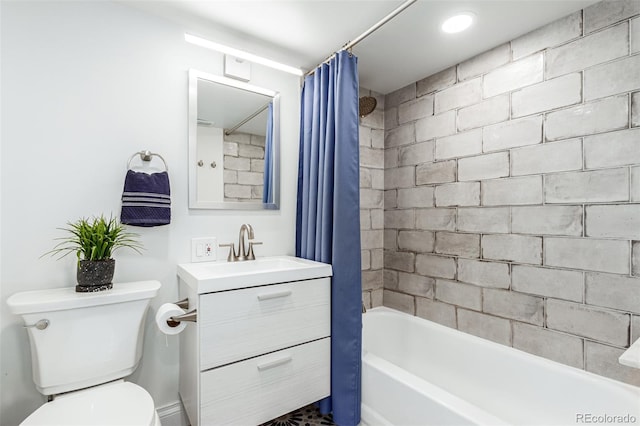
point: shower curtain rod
(246, 120)
(365, 34)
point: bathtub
(416, 372)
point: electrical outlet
(204, 249)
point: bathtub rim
(536, 359)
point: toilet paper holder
(187, 316)
(191, 316)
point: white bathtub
(416, 372)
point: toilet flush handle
(40, 325)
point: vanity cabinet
(256, 351)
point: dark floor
(305, 416)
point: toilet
(83, 345)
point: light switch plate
(204, 249)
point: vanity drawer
(239, 324)
(260, 389)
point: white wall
(84, 86)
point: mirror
(234, 144)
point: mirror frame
(194, 76)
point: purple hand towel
(146, 199)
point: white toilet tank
(91, 338)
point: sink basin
(208, 277)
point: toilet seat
(115, 403)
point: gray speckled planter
(95, 275)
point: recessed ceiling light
(457, 23)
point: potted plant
(94, 241)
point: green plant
(95, 239)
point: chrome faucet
(246, 231)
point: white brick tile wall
(612, 78)
(458, 194)
(373, 158)
(547, 158)
(588, 51)
(415, 110)
(421, 196)
(438, 172)
(603, 359)
(486, 166)
(416, 241)
(436, 81)
(443, 124)
(490, 111)
(466, 245)
(485, 326)
(400, 301)
(401, 95)
(613, 291)
(512, 191)
(484, 274)
(509, 134)
(514, 248)
(559, 347)
(416, 285)
(402, 135)
(550, 35)
(400, 261)
(484, 219)
(442, 313)
(517, 74)
(613, 221)
(556, 283)
(635, 108)
(547, 220)
(548, 95)
(465, 295)
(459, 145)
(416, 154)
(635, 35)
(594, 186)
(436, 266)
(509, 304)
(588, 254)
(399, 219)
(635, 184)
(484, 62)
(599, 324)
(598, 150)
(437, 219)
(522, 205)
(460, 95)
(608, 12)
(401, 177)
(594, 117)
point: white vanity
(261, 345)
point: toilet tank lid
(57, 299)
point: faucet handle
(231, 257)
(251, 255)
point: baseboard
(173, 415)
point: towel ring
(147, 156)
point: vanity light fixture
(457, 23)
(241, 54)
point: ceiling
(410, 47)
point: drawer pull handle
(276, 362)
(274, 295)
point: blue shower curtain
(267, 190)
(328, 217)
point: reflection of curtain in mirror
(267, 192)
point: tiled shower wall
(243, 167)
(512, 192)
(371, 200)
